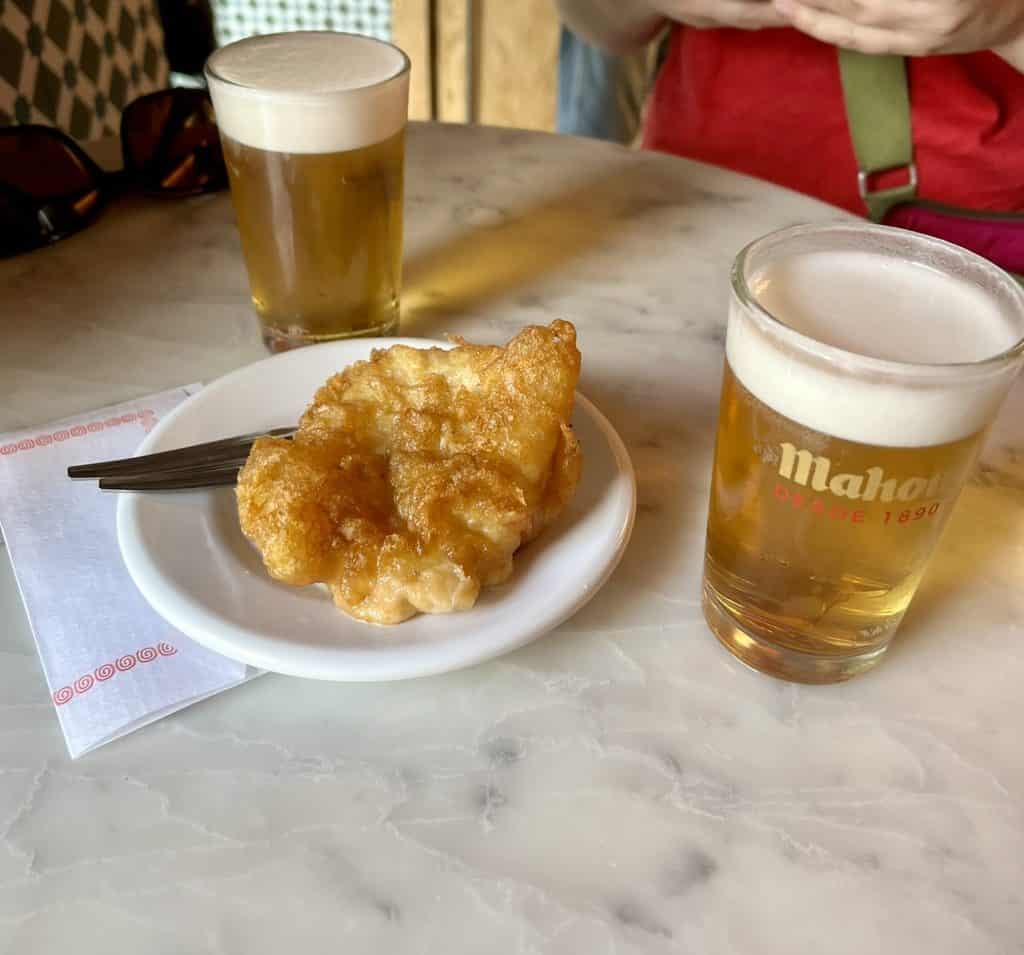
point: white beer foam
(309, 92)
(879, 307)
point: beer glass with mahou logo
(863, 368)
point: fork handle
(219, 477)
(224, 451)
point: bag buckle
(881, 201)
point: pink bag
(997, 237)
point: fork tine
(224, 451)
(173, 481)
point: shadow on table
(503, 249)
(978, 540)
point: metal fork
(211, 464)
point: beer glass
(313, 130)
(863, 367)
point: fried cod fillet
(415, 476)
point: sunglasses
(50, 188)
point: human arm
(619, 26)
(914, 27)
(1013, 53)
(624, 25)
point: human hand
(908, 27)
(740, 14)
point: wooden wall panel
(409, 31)
(519, 53)
(517, 57)
(453, 60)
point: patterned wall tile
(75, 63)
(236, 19)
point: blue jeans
(599, 94)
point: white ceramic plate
(187, 555)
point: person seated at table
(754, 86)
(601, 94)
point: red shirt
(770, 104)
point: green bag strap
(878, 114)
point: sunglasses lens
(19, 230)
(42, 165)
(47, 191)
(171, 142)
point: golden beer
(339, 271)
(835, 472)
(313, 128)
(793, 556)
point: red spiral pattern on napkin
(147, 418)
(107, 671)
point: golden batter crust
(415, 476)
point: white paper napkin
(111, 662)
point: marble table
(622, 786)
